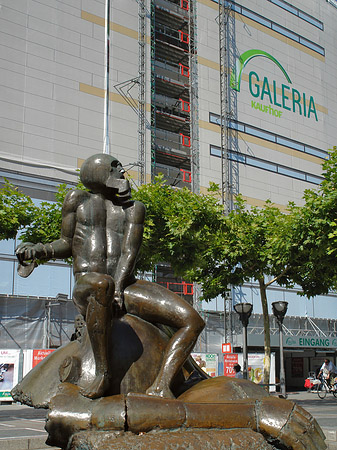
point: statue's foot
(160, 391)
(98, 388)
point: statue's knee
(103, 290)
(198, 323)
(193, 321)
(98, 287)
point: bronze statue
(102, 230)
(126, 382)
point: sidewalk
(22, 428)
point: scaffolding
(228, 134)
(195, 158)
(224, 11)
(142, 14)
(174, 93)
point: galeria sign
(277, 95)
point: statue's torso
(98, 235)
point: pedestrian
(237, 370)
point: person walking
(237, 370)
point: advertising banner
(230, 359)
(255, 368)
(207, 362)
(32, 357)
(9, 372)
(39, 355)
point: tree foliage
(16, 211)
(253, 243)
(314, 235)
(46, 224)
(178, 226)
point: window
(315, 47)
(215, 151)
(47, 281)
(298, 12)
(256, 17)
(234, 156)
(255, 162)
(6, 279)
(291, 172)
(260, 133)
(185, 140)
(267, 165)
(286, 32)
(278, 28)
(313, 179)
(316, 152)
(184, 4)
(184, 70)
(236, 126)
(285, 6)
(7, 247)
(289, 143)
(272, 137)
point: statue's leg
(92, 295)
(156, 304)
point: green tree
(178, 226)
(46, 224)
(314, 235)
(17, 210)
(252, 244)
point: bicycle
(324, 388)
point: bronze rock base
(238, 439)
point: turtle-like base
(191, 439)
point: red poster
(229, 359)
(39, 355)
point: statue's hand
(27, 251)
(290, 424)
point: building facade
(242, 95)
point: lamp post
(244, 310)
(279, 311)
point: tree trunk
(266, 325)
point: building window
(298, 12)
(267, 165)
(274, 26)
(271, 137)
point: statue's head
(104, 174)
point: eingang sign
(310, 342)
(281, 96)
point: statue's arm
(132, 240)
(61, 248)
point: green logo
(243, 60)
(290, 341)
(283, 96)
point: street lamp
(244, 310)
(279, 311)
